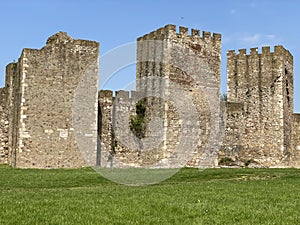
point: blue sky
(243, 24)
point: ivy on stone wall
(138, 121)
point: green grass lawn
(212, 196)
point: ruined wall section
(263, 83)
(125, 144)
(4, 152)
(119, 146)
(295, 159)
(54, 81)
(287, 68)
(10, 110)
(105, 135)
(234, 131)
(13, 83)
(114, 133)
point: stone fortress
(52, 114)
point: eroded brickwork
(105, 141)
(51, 111)
(52, 95)
(262, 83)
(4, 153)
(257, 118)
(295, 159)
(173, 68)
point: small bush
(138, 122)
(226, 161)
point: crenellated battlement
(195, 33)
(124, 95)
(296, 118)
(266, 50)
(263, 81)
(248, 70)
(120, 96)
(253, 51)
(105, 94)
(184, 45)
(127, 96)
(169, 31)
(279, 50)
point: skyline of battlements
(192, 32)
(41, 95)
(180, 31)
(263, 50)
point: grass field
(212, 196)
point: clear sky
(242, 23)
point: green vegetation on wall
(138, 121)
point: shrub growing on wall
(138, 121)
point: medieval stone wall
(51, 111)
(4, 153)
(295, 161)
(175, 66)
(119, 147)
(52, 103)
(125, 150)
(105, 130)
(13, 82)
(264, 84)
(258, 119)
(178, 67)
(234, 127)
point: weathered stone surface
(4, 153)
(257, 118)
(295, 147)
(46, 88)
(260, 129)
(51, 112)
(172, 68)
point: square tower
(52, 104)
(263, 84)
(172, 67)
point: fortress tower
(260, 105)
(164, 53)
(185, 66)
(171, 67)
(50, 97)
